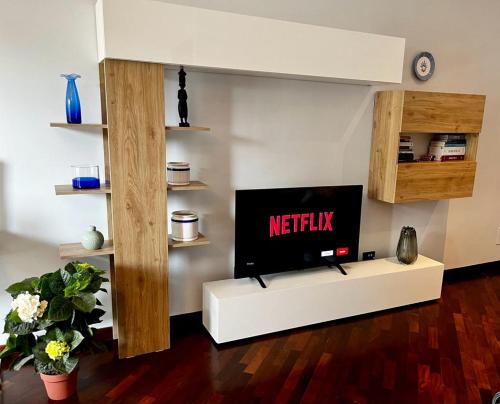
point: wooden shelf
(69, 190)
(201, 240)
(75, 250)
(397, 112)
(193, 186)
(78, 125)
(187, 129)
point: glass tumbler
(86, 177)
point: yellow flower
(56, 349)
(85, 265)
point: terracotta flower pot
(60, 387)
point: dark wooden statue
(182, 97)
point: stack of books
(405, 149)
(447, 147)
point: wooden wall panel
(385, 145)
(426, 112)
(135, 143)
(434, 180)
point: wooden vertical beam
(107, 177)
(135, 146)
(387, 114)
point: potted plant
(50, 322)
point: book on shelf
(446, 151)
(453, 158)
(449, 143)
(405, 143)
(449, 137)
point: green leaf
(94, 316)
(44, 287)
(26, 343)
(70, 267)
(94, 285)
(56, 283)
(46, 368)
(14, 325)
(10, 346)
(73, 338)
(20, 362)
(21, 287)
(84, 302)
(43, 324)
(60, 309)
(65, 276)
(70, 364)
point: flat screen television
(288, 229)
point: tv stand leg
(342, 270)
(261, 282)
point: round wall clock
(424, 65)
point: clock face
(423, 66)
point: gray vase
(407, 251)
(92, 239)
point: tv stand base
(233, 308)
(332, 263)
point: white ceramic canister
(178, 173)
(184, 225)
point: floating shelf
(420, 112)
(187, 129)
(69, 190)
(78, 125)
(75, 250)
(193, 186)
(201, 240)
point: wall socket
(498, 236)
(370, 255)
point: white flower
(28, 307)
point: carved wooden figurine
(182, 97)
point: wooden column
(134, 109)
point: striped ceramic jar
(178, 173)
(184, 225)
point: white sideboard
(239, 308)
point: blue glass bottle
(73, 110)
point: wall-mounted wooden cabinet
(420, 113)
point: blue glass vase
(73, 109)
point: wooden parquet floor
(447, 351)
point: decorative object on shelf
(178, 173)
(86, 176)
(407, 251)
(423, 66)
(92, 239)
(182, 97)
(73, 109)
(184, 225)
(63, 304)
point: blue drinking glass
(73, 109)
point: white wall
(38, 41)
(266, 132)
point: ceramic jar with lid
(184, 225)
(178, 173)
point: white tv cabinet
(239, 308)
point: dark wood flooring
(446, 351)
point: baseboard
(472, 272)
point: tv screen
(295, 228)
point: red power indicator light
(342, 251)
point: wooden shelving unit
(78, 125)
(417, 113)
(69, 190)
(139, 269)
(193, 186)
(76, 250)
(201, 240)
(187, 129)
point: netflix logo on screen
(300, 222)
